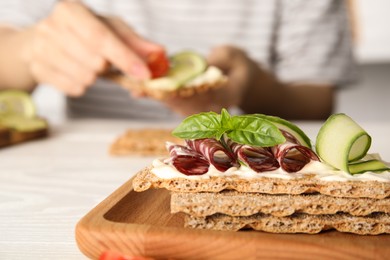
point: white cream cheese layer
(212, 75)
(320, 170)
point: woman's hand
(239, 69)
(73, 45)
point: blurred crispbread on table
(4, 136)
(11, 135)
(144, 142)
(20, 137)
(19, 121)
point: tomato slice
(158, 64)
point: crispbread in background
(4, 136)
(145, 142)
(373, 224)
(309, 184)
(20, 137)
(160, 94)
(11, 136)
(235, 203)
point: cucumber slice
(370, 165)
(289, 127)
(184, 67)
(16, 102)
(22, 123)
(163, 83)
(341, 140)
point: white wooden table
(47, 186)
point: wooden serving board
(140, 224)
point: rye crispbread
(374, 224)
(20, 137)
(145, 179)
(4, 136)
(235, 203)
(145, 142)
(9, 136)
(160, 94)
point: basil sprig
(243, 129)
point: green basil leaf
(219, 134)
(373, 165)
(225, 123)
(254, 131)
(288, 126)
(202, 125)
(225, 119)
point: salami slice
(259, 159)
(186, 160)
(293, 157)
(214, 152)
(289, 137)
(176, 150)
(190, 165)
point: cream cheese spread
(320, 170)
(212, 75)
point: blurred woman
(284, 58)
